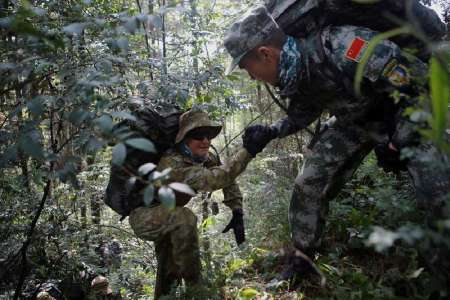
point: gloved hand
(256, 137)
(237, 223)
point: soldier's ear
(267, 53)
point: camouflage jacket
(325, 82)
(208, 176)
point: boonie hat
(193, 119)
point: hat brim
(234, 63)
(214, 129)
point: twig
(323, 280)
(242, 131)
(275, 99)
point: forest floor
(356, 263)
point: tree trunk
(164, 50)
(195, 48)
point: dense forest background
(68, 70)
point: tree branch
(27, 243)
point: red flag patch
(354, 51)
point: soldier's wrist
(274, 131)
(237, 211)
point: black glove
(237, 223)
(256, 137)
(389, 159)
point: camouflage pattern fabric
(248, 32)
(175, 231)
(332, 162)
(325, 84)
(176, 244)
(201, 178)
(301, 18)
(289, 67)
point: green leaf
(149, 194)
(208, 222)
(36, 106)
(166, 196)
(155, 21)
(182, 188)
(160, 175)
(154, 176)
(123, 44)
(130, 183)
(94, 144)
(142, 17)
(131, 25)
(123, 115)
(105, 123)
(146, 168)
(31, 147)
(141, 144)
(440, 93)
(119, 153)
(77, 117)
(248, 294)
(74, 28)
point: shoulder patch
(397, 74)
(356, 49)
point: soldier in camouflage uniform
(174, 231)
(316, 74)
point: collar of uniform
(191, 161)
(188, 157)
(290, 67)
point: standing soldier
(316, 74)
(174, 231)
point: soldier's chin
(204, 152)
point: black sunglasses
(200, 134)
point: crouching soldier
(316, 74)
(174, 231)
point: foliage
(69, 69)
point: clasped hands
(256, 137)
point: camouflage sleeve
(299, 117)
(232, 196)
(214, 178)
(387, 66)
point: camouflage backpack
(299, 18)
(155, 121)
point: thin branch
(147, 43)
(27, 243)
(242, 131)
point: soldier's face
(199, 146)
(262, 64)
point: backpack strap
(275, 99)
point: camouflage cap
(194, 119)
(249, 31)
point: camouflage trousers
(175, 235)
(333, 160)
